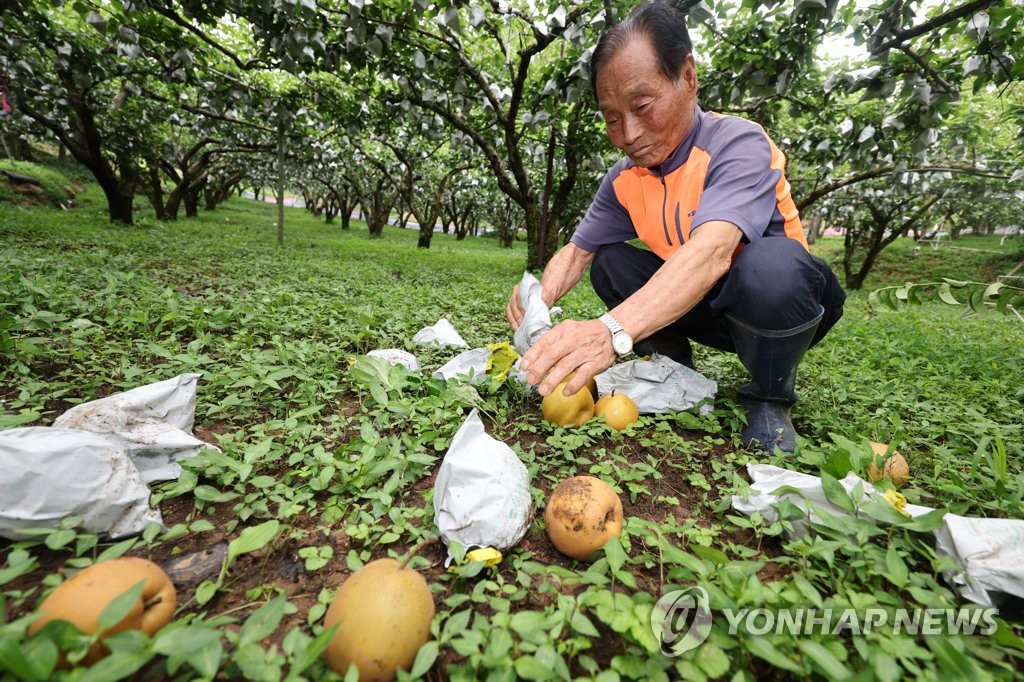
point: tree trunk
(280, 185)
(192, 202)
(426, 233)
(119, 203)
(156, 191)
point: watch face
(621, 343)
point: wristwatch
(622, 342)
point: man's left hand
(569, 346)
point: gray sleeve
(740, 183)
(606, 220)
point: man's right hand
(514, 311)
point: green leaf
(529, 668)
(263, 622)
(582, 625)
(807, 589)
(615, 553)
(711, 554)
(309, 654)
(833, 668)
(206, 590)
(116, 611)
(836, 493)
(185, 641)
(764, 649)
(527, 624)
(946, 294)
(252, 539)
(26, 664)
(896, 567)
(713, 661)
(425, 658)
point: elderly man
(726, 263)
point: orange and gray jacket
(726, 168)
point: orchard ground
(338, 460)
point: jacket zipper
(664, 207)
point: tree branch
(941, 20)
(882, 171)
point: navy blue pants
(774, 284)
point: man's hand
(569, 346)
(514, 311)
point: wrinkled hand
(569, 346)
(514, 311)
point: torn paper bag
(442, 334)
(152, 423)
(470, 365)
(482, 491)
(658, 385)
(537, 316)
(396, 356)
(799, 489)
(990, 553)
(52, 473)
(495, 361)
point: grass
(325, 466)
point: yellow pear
(383, 612)
(564, 410)
(617, 410)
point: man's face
(647, 115)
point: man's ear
(688, 74)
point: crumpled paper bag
(537, 317)
(397, 356)
(482, 491)
(52, 473)
(152, 423)
(442, 334)
(469, 364)
(658, 385)
(989, 552)
(800, 489)
(496, 360)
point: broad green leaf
(807, 589)
(252, 539)
(615, 553)
(425, 658)
(309, 654)
(896, 567)
(946, 294)
(263, 622)
(763, 648)
(116, 611)
(833, 668)
(836, 493)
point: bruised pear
(383, 612)
(81, 599)
(894, 468)
(582, 515)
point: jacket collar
(681, 153)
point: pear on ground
(895, 467)
(617, 410)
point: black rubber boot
(771, 357)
